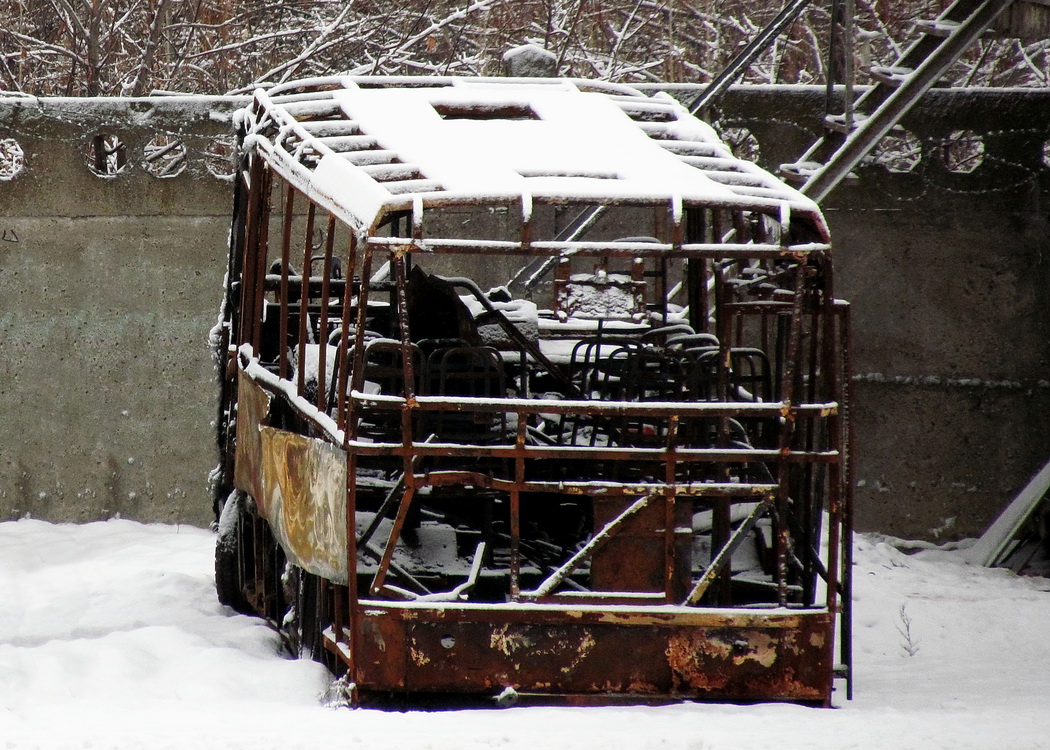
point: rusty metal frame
(389, 636)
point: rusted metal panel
(634, 560)
(298, 484)
(694, 655)
(304, 499)
(253, 407)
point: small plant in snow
(339, 693)
(909, 644)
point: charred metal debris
(623, 474)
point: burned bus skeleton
(530, 386)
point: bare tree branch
(92, 47)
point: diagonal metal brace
(598, 541)
(724, 554)
(736, 67)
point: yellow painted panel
(304, 496)
(253, 408)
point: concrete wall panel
(108, 287)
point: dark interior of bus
(607, 333)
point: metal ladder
(848, 138)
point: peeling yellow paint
(507, 642)
(582, 651)
(760, 647)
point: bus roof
(367, 147)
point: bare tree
(114, 47)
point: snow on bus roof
(390, 143)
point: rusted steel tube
(595, 407)
(698, 490)
(727, 251)
(568, 452)
(388, 551)
(322, 324)
(304, 299)
(787, 432)
(725, 552)
(350, 430)
(344, 337)
(286, 261)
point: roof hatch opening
(485, 111)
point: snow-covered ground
(111, 637)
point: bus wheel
(229, 582)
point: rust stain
(684, 655)
(642, 687)
(705, 660)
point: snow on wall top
(393, 143)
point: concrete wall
(108, 287)
(947, 274)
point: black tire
(229, 583)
